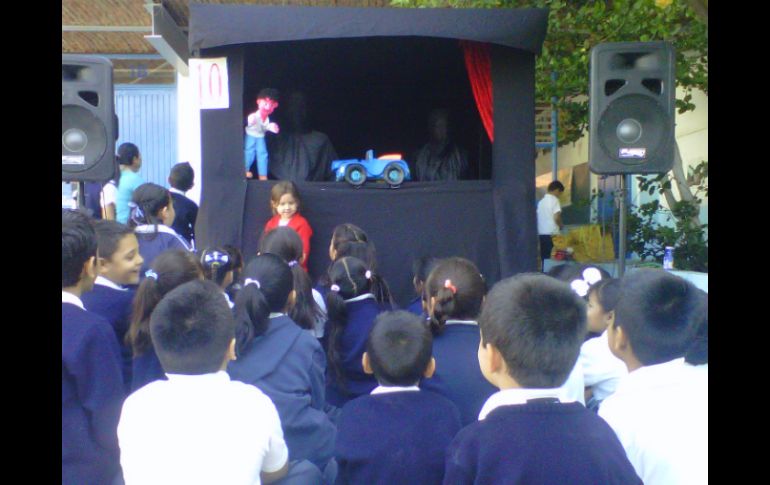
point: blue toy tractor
(389, 168)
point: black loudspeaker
(632, 108)
(89, 125)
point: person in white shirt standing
(549, 219)
(659, 411)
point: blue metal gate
(147, 118)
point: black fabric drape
(301, 156)
(437, 219)
(220, 25)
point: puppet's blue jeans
(255, 146)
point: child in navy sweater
(308, 309)
(351, 308)
(181, 179)
(454, 291)
(398, 433)
(91, 381)
(151, 215)
(350, 240)
(171, 269)
(284, 361)
(119, 265)
(532, 327)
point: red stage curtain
(479, 69)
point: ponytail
(455, 290)
(252, 313)
(304, 311)
(171, 268)
(337, 320)
(147, 297)
(349, 277)
(444, 308)
(266, 289)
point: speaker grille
(85, 142)
(649, 115)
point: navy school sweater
(186, 213)
(146, 368)
(115, 306)
(152, 244)
(91, 397)
(351, 347)
(395, 438)
(538, 443)
(288, 364)
(415, 306)
(458, 376)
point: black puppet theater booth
(372, 76)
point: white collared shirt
(461, 322)
(360, 298)
(507, 397)
(101, 280)
(660, 415)
(67, 297)
(389, 389)
(199, 430)
(150, 229)
(175, 191)
(228, 300)
(601, 369)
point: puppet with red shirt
(257, 124)
(285, 202)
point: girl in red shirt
(285, 202)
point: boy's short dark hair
(181, 176)
(660, 313)
(191, 328)
(400, 347)
(108, 235)
(538, 325)
(271, 93)
(78, 244)
(555, 185)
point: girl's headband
(583, 284)
(249, 281)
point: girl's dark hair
(348, 277)
(126, 153)
(282, 188)
(146, 203)
(350, 240)
(172, 268)
(607, 293)
(215, 262)
(255, 301)
(286, 243)
(236, 259)
(458, 289)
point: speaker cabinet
(88, 122)
(631, 115)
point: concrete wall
(189, 131)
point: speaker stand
(81, 195)
(622, 226)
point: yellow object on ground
(588, 244)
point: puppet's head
(267, 100)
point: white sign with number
(209, 78)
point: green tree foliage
(575, 26)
